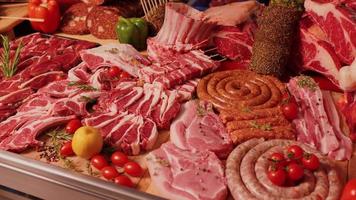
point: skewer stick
(22, 18)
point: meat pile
(188, 167)
(325, 43)
(198, 128)
(246, 172)
(43, 59)
(318, 122)
(185, 174)
(183, 30)
(248, 104)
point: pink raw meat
(198, 128)
(337, 21)
(181, 175)
(315, 125)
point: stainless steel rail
(46, 181)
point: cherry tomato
(73, 125)
(114, 72)
(290, 110)
(277, 157)
(288, 98)
(109, 172)
(133, 169)
(349, 192)
(278, 160)
(311, 162)
(124, 75)
(99, 162)
(66, 149)
(295, 172)
(119, 158)
(123, 180)
(277, 177)
(295, 152)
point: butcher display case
(46, 181)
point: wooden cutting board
(13, 10)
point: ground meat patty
(74, 19)
(248, 104)
(102, 20)
(247, 165)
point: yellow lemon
(87, 142)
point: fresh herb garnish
(8, 65)
(263, 127)
(90, 170)
(87, 99)
(51, 151)
(306, 82)
(82, 86)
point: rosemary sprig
(8, 65)
(87, 99)
(82, 86)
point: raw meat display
(42, 59)
(316, 54)
(337, 21)
(349, 111)
(347, 76)
(181, 174)
(248, 104)
(236, 42)
(129, 132)
(246, 174)
(123, 56)
(318, 121)
(192, 64)
(183, 30)
(198, 128)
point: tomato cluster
(286, 171)
(110, 172)
(117, 73)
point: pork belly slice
(198, 128)
(123, 56)
(180, 174)
(318, 122)
(184, 28)
(25, 137)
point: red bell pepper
(48, 10)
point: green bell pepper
(132, 31)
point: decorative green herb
(87, 99)
(82, 86)
(51, 151)
(306, 82)
(263, 127)
(90, 170)
(8, 65)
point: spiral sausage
(247, 166)
(248, 104)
